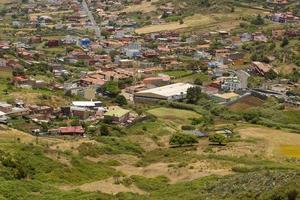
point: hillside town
(65, 54)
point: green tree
(193, 94)
(218, 138)
(121, 100)
(294, 76)
(183, 139)
(285, 42)
(271, 75)
(111, 88)
(258, 20)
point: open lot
(144, 6)
(277, 143)
(218, 21)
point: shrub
(104, 130)
(218, 138)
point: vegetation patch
(174, 115)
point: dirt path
(122, 158)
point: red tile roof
(71, 130)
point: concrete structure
(171, 92)
(87, 104)
(237, 82)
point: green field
(174, 115)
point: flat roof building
(171, 92)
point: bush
(104, 130)
(187, 127)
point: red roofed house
(262, 68)
(156, 81)
(94, 80)
(71, 130)
(20, 80)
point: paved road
(92, 19)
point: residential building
(117, 114)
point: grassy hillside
(139, 163)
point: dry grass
(105, 186)
(11, 135)
(144, 141)
(211, 22)
(6, 1)
(286, 69)
(278, 143)
(32, 97)
(145, 7)
(160, 27)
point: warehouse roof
(169, 90)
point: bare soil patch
(105, 186)
(175, 173)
